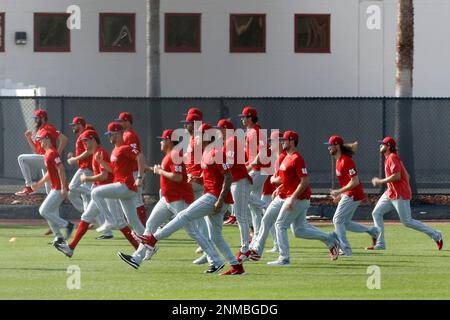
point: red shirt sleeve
(349, 168)
(130, 152)
(300, 168)
(394, 165)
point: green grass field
(411, 268)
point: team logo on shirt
(113, 158)
(304, 171)
(352, 172)
(283, 167)
(226, 166)
(179, 169)
(338, 173)
(57, 160)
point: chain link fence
(356, 119)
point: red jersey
(80, 147)
(238, 170)
(171, 190)
(97, 169)
(55, 134)
(191, 167)
(268, 187)
(292, 170)
(395, 190)
(345, 171)
(213, 175)
(131, 138)
(123, 159)
(52, 161)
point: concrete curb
(422, 212)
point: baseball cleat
(128, 260)
(24, 192)
(105, 227)
(69, 230)
(214, 269)
(147, 240)
(375, 236)
(235, 270)
(202, 260)
(105, 237)
(230, 221)
(56, 240)
(254, 256)
(334, 252)
(279, 263)
(342, 253)
(199, 250)
(64, 248)
(376, 247)
(440, 242)
(242, 257)
(150, 254)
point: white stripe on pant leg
(255, 195)
(30, 164)
(197, 209)
(215, 223)
(49, 209)
(284, 220)
(403, 208)
(139, 200)
(240, 191)
(344, 210)
(267, 223)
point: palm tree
(404, 85)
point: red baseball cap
(114, 127)
(204, 127)
(40, 114)
(335, 140)
(90, 127)
(248, 112)
(44, 135)
(224, 124)
(389, 141)
(290, 135)
(191, 117)
(125, 116)
(78, 120)
(195, 110)
(88, 134)
(167, 134)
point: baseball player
(397, 196)
(269, 187)
(101, 177)
(177, 195)
(349, 195)
(213, 204)
(194, 170)
(290, 206)
(56, 175)
(131, 138)
(32, 163)
(249, 118)
(241, 183)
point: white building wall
(361, 62)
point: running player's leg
(256, 205)
(382, 207)
(268, 221)
(344, 210)
(30, 164)
(49, 210)
(267, 200)
(74, 192)
(403, 208)
(240, 191)
(141, 211)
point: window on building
(2, 31)
(247, 33)
(312, 33)
(183, 32)
(117, 32)
(51, 33)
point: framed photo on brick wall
(117, 32)
(248, 33)
(51, 33)
(183, 32)
(312, 33)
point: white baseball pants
(256, 205)
(49, 210)
(240, 190)
(200, 224)
(127, 200)
(203, 207)
(139, 199)
(267, 200)
(403, 209)
(115, 215)
(77, 190)
(31, 164)
(342, 221)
